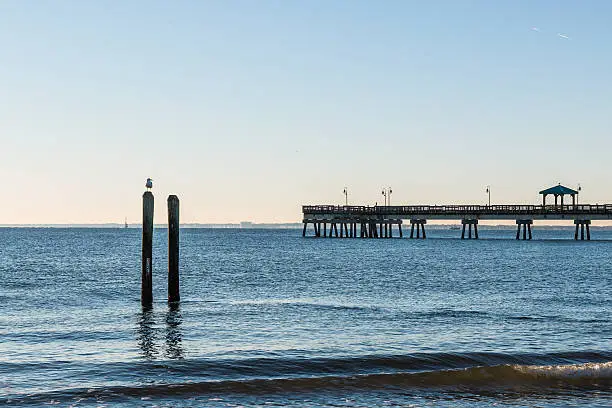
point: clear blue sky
(248, 109)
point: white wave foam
(585, 370)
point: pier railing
(460, 210)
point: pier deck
(378, 221)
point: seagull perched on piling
(149, 184)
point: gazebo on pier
(559, 191)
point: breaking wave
(472, 372)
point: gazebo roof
(559, 190)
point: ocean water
(268, 318)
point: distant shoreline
(269, 226)
(132, 226)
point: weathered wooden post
(146, 292)
(588, 223)
(173, 249)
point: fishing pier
(381, 221)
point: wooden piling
(146, 291)
(173, 249)
(468, 223)
(576, 233)
(304, 230)
(588, 232)
(529, 230)
(526, 225)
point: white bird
(563, 36)
(149, 184)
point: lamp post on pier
(488, 191)
(386, 192)
(345, 192)
(578, 195)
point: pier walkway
(379, 221)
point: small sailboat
(126, 224)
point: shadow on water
(148, 334)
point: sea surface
(268, 318)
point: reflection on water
(174, 336)
(147, 334)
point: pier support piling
(576, 233)
(588, 231)
(420, 226)
(529, 230)
(146, 291)
(173, 249)
(583, 224)
(469, 222)
(526, 225)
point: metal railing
(460, 210)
